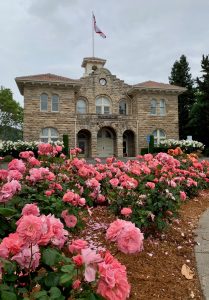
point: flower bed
(47, 200)
(186, 145)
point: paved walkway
(202, 252)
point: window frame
(158, 137)
(126, 107)
(47, 100)
(105, 103)
(162, 107)
(50, 137)
(153, 101)
(84, 101)
(57, 103)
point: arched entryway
(84, 142)
(106, 142)
(128, 143)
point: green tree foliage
(181, 76)
(200, 111)
(11, 116)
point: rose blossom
(91, 259)
(25, 260)
(130, 240)
(10, 245)
(151, 185)
(114, 230)
(70, 220)
(113, 283)
(126, 211)
(183, 196)
(77, 245)
(78, 260)
(30, 209)
(30, 229)
(76, 284)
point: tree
(181, 76)
(200, 110)
(11, 116)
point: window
(162, 107)
(123, 107)
(81, 106)
(44, 102)
(103, 106)
(153, 108)
(55, 103)
(159, 135)
(49, 135)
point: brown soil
(155, 273)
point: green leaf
(67, 269)
(55, 293)
(52, 279)
(50, 257)
(65, 278)
(7, 212)
(40, 294)
(9, 267)
(5, 295)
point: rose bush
(43, 199)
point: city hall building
(100, 113)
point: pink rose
(130, 240)
(183, 196)
(113, 283)
(78, 260)
(76, 284)
(150, 185)
(90, 259)
(115, 229)
(70, 220)
(25, 260)
(77, 246)
(30, 209)
(126, 211)
(30, 229)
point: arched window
(103, 106)
(159, 135)
(55, 103)
(49, 135)
(123, 108)
(153, 107)
(44, 102)
(162, 107)
(81, 106)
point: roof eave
(134, 90)
(22, 82)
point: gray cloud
(144, 38)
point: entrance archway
(84, 142)
(128, 143)
(106, 142)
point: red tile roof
(46, 77)
(157, 85)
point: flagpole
(93, 33)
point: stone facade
(100, 113)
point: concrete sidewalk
(202, 252)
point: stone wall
(66, 121)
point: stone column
(94, 144)
(119, 143)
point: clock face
(103, 81)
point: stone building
(100, 113)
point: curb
(202, 252)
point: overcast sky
(144, 37)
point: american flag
(97, 29)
